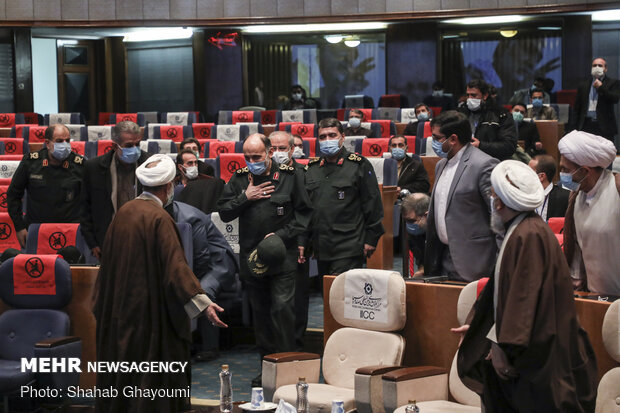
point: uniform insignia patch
(243, 170)
(65, 164)
(78, 160)
(34, 155)
(44, 162)
(340, 194)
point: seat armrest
(56, 341)
(290, 356)
(280, 369)
(369, 388)
(423, 383)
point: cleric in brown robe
(523, 349)
(145, 295)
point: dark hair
(453, 122)
(479, 84)
(49, 131)
(357, 111)
(190, 140)
(438, 85)
(548, 84)
(428, 108)
(397, 137)
(520, 104)
(331, 123)
(537, 90)
(303, 91)
(546, 164)
(183, 152)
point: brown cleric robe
(142, 287)
(536, 327)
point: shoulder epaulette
(242, 171)
(34, 155)
(79, 159)
(355, 158)
(312, 161)
(287, 168)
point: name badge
(340, 194)
(280, 210)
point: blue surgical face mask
(355, 122)
(398, 153)
(130, 155)
(329, 147)
(566, 178)
(257, 168)
(438, 150)
(537, 103)
(414, 229)
(517, 116)
(422, 116)
(61, 150)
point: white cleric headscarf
(517, 185)
(156, 175)
(586, 149)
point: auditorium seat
(33, 134)
(64, 118)
(392, 114)
(202, 130)
(407, 115)
(305, 130)
(79, 147)
(8, 235)
(154, 146)
(76, 131)
(353, 144)
(567, 96)
(13, 146)
(232, 117)
(424, 129)
(131, 117)
(253, 127)
(387, 127)
(35, 288)
(228, 163)
(179, 118)
(357, 101)
(11, 157)
(97, 132)
(435, 110)
(103, 118)
(98, 148)
(375, 128)
(149, 129)
(367, 113)
(32, 118)
(231, 132)
(299, 115)
(430, 386)
(175, 133)
(386, 170)
(556, 224)
(372, 147)
(270, 117)
(8, 120)
(326, 113)
(213, 148)
(311, 147)
(212, 162)
(393, 101)
(360, 343)
(4, 186)
(7, 168)
(18, 130)
(151, 116)
(50, 238)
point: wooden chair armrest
(290, 356)
(377, 370)
(410, 373)
(55, 342)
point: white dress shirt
(442, 189)
(542, 210)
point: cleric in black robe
(524, 350)
(145, 295)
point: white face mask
(281, 157)
(298, 153)
(191, 172)
(355, 122)
(473, 104)
(296, 96)
(597, 72)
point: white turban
(517, 185)
(586, 149)
(159, 174)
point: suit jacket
(608, 96)
(528, 132)
(472, 244)
(97, 207)
(558, 202)
(413, 176)
(495, 131)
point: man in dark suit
(411, 173)
(110, 182)
(556, 197)
(526, 130)
(594, 104)
(459, 240)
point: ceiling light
(304, 28)
(549, 28)
(62, 42)
(352, 43)
(486, 20)
(160, 33)
(334, 38)
(508, 33)
(606, 15)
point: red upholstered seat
(387, 126)
(390, 101)
(229, 163)
(13, 146)
(556, 224)
(268, 117)
(305, 130)
(374, 147)
(202, 130)
(367, 114)
(242, 116)
(312, 144)
(11, 157)
(214, 148)
(7, 120)
(104, 146)
(436, 110)
(104, 118)
(79, 147)
(8, 237)
(19, 130)
(3, 188)
(172, 132)
(35, 134)
(283, 125)
(567, 96)
(122, 117)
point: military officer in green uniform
(53, 179)
(346, 223)
(269, 199)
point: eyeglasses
(439, 138)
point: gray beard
(497, 225)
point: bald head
(257, 148)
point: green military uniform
(53, 190)
(347, 211)
(286, 213)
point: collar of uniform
(341, 156)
